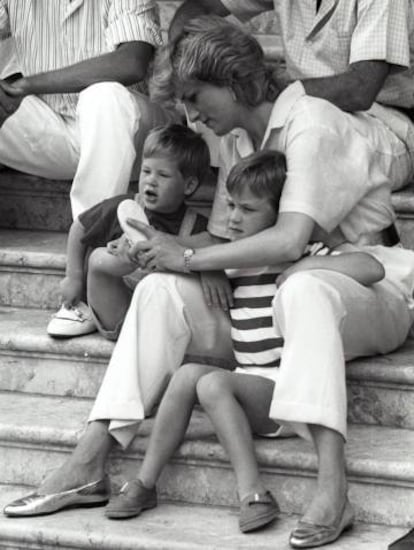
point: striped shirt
(255, 336)
(325, 41)
(52, 34)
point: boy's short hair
(263, 173)
(185, 147)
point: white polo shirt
(325, 42)
(335, 176)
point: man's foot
(133, 499)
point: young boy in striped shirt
(254, 186)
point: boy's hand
(119, 247)
(71, 289)
(217, 290)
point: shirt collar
(278, 118)
(283, 106)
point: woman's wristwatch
(188, 254)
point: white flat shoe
(73, 321)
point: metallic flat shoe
(92, 494)
(311, 535)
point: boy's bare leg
(237, 404)
(87, 462)
(172, 419)
(108, 295)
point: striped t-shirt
(256, 341)
(52, 34)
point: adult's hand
(217, 289)
(159, 252)
(11, 96)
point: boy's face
(248, 214)
(162, 186)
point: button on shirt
(333, 175)
(52, 34)
(325, 41)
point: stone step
(32, 263)
(36, 433)
(380, 389)
(168, 527)
(29, 202)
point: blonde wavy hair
(212, 50)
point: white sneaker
(71, 321)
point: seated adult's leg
(112, 121)
(38, 141)
(327, 318)
(167, 317)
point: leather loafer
(133, 499)
(257, 510)
(34, 504)
(312, 535)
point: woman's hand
(217, 290)
(71, 289)
(160, 252)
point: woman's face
(212, 105)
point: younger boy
(254, 187)
(175, 162)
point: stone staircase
(47, 388)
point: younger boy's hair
(263, 173)
(185, 147)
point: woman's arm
(284, 242)
(362, 267)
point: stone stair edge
(201, 445)
(375, 368)
(206, 528)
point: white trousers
(325, 318)
(167, 319)
(97, 148)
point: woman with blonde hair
(219, 72)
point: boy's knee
(96, 259)
(185, 378)
(210, 387)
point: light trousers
(326, 319)
(97, 148)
